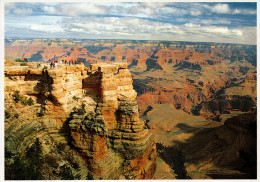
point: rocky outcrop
(94, 110)
(120, 134)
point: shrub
(75, 98)
(61, 147)
(23, 64)
(20, 167)
(24, 101)
(90, 176)
(198, 89)
(47, 87)
(7, 115)
(195, 110)
(30, 101)
(41, 113)
(51, 160)
(81, 110)
(16, 96)
(66, 173)
(16, 115)
(18, 60)
(85, 93)
(74, 109)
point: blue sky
(176, 21)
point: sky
(175, 21)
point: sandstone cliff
(91, 112)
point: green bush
(16, 96)
(16, 115)
(75, 98)
(23, 64)
(66, 173)
(7, 115)
(74, 109)
(85, 93)
(41, 113)
(18, 60)
(30, 101)
(81, 110)
(90, 176)
(28, 167)
(198, 89)
(195, 110)
(24, 101)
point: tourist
(51, 65)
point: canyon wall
(92, 110)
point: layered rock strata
(94, 110)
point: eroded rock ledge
(95, 110)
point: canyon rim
(130, 90)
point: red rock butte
(98, 105)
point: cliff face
(93, 111)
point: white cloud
(130, 21)
(135, 28)
(195, 13)
(192, 25)
(214, 21)
(221, 8)
(22, 11)
(171, 11)
(49, 9)
(82, 9)
(244, 11)
(76, 9)
(155, 4)
(236, 11)
(237, 32)
(141, 10)
(128, 27)
(46, 28)
(213, 29)
(9, 6)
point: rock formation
(92, 109)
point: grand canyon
(132, 109)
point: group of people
(78, 61)
(70, 62)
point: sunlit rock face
(92, 110)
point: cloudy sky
(177, 21)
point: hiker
(51, 65)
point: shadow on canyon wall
(231, 148)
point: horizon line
(136, 40)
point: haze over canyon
(131, 109)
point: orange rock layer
(95, 109)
